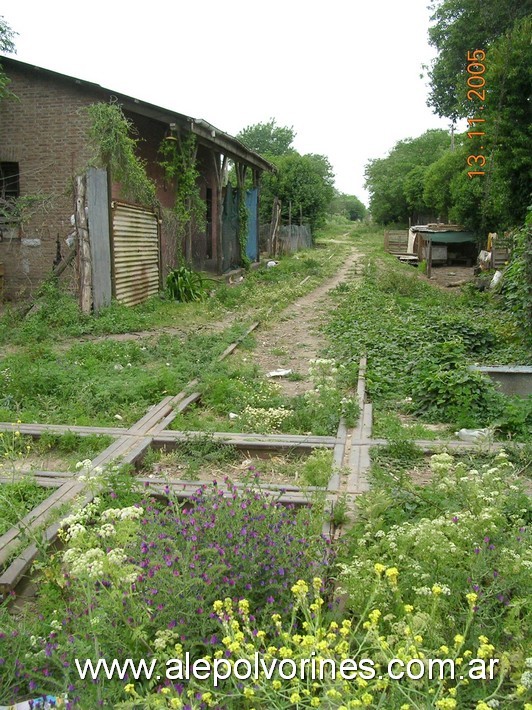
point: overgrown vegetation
(7, 45)
(116, 148)
(178, 160)
(496, 33)
(17, 499)
(302, 183)
(239, 545)
(516, 287)
(57, 314)
(421, 344)
(184, 284)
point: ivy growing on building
(178, 159)
(113, 137)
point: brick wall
(44, 131)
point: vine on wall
(178, 159)
(243, 227)
(112, 135)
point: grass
(420, 342)
(262, 293)
(17, 499)
(203, 459)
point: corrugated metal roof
(206, 132)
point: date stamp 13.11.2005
(477, 92)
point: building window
(9, 181)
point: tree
(394, 181)
(501, 29)
(7, 45)
(461, 26)
(268, 138)
(508, 121)
(303, 183)
(347, 205)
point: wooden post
(84, 252)
(217, 225)
(429, 260)
(274, 234)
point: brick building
(44, 145)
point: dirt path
(294, 339)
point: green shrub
(184, 284)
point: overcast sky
(344, 73)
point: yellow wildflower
(408, 609)
(379, 569)
(129, 688)
(458, 640)
(374, 616)
(436, 590)
(471, 598)
(300, 588)
(218, 606)
(316, 584)
(392, 573)
(295, 698)
(249, 692)
(367, 698)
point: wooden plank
(137, 450)
(245, 439)
(261, 486)
(152, 416)
(100, 243)
(288, 499)
(84, 250)
(9, 540)
(110, 452)
(367, 421)
(37, 430)
(43, 482)
(18, 568)
(237, 342)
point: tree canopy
(420, 178)
(501, 30)
(395, 183)
(268, 138)
(347, 205)
(7, 45)
(458, 27)
(303, 184)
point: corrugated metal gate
(136, 252)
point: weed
(317, 468)
(184, 284)
(18, 498)
(339, 513)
